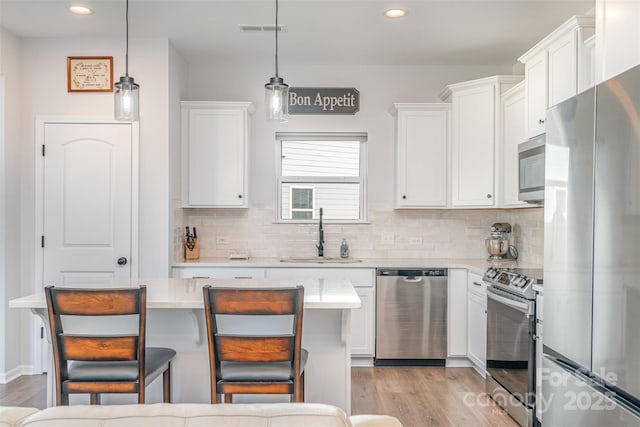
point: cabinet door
(536, 93)
(421, 153)
(362, 324)
(472, 152)
(563, 68)
(214, 150)
(457, 313)
(478, 330)
(513, 134)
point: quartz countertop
(473, 264)
(187, 293)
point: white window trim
(314, 136)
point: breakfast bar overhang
(175, 318)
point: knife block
(191, 248)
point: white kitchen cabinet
(617, 37)
(513, 133)
(219, 272)
(215, 137)
(477, 318)
(457, 313)
(363, 318)
(554, 70)
(476, 132)
(536, 70)
(421, 150)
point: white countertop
(473, 264)
(187, 293)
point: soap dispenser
(344, 249)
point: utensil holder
(191, 248)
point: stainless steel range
(511, 331)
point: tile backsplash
(388, 234)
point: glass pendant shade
(277, 99)
(126, 95)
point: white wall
(13, 323)
(46, 94)
(379, 87)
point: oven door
(510, 348)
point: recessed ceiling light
(80, 10)
(395, 13)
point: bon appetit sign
(323, 100)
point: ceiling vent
(249, 28)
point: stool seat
(258, 371)
(155, 359)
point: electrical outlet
(415, 240)
(388, 238)
(222, 240)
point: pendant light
(127, 92)
(277, 91)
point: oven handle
(520, 306)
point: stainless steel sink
(321, 260)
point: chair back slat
(254, 301)
(95, 302)
(254, 348)
(99, 348)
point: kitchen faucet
(320, 244)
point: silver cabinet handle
(243, 277)
(200, 277)
(477, 284)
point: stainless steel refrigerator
(591, 363)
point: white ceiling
(450, 32)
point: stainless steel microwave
(531, 170)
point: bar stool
(96, 363)
(255, 363)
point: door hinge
(42, 241)
(41, 332)
(42, 150)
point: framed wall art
(89, 73)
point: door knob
(122, 261)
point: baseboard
(458, 362)
(362, 361)
(16, 372)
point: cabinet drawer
(475, 284)
(219, 273)
(359, 277)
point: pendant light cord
(126, 55)
(276, 37)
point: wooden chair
(98, 363)
(258, 362)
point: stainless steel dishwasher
(411, 317)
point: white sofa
(192, 415)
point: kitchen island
(175, 318)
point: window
(321, 170)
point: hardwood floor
(27, 390)
(426, 396)
(418, 396)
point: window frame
(361, 179)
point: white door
(87, 210)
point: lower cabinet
(363, 318)
(477, 322)
(457, 313)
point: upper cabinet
(556, 69)
(513, 133)
(617, 37)
(476, 133)
(215, 138)
(422, 141)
